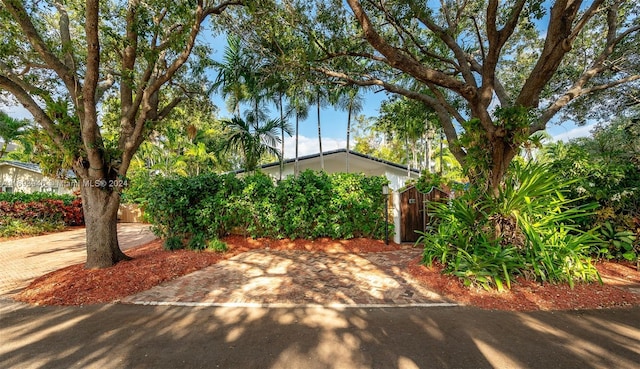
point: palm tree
(447, 165)
(256, 81)
(251, 140)
(351, 101)
(232, 76)
(297, 103)
(535, 141)
(277, 88)
(319, 98)
(11, 129)
(553, 151)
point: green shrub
(197, 242)
(616, 243)
(13, 197)
(137, 189)
(217, 245)
(11, 227)
(606, 168)
(310, 206)
(173, 243)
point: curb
(289, 305)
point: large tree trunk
(502, 153)
(101, 219)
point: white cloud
(584, 131)
(310, 145)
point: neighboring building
(336, 162)
(16, 176)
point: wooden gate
(413, 211)
(411, 214)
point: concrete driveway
(25, 259)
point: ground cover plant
(31, 214)
(192, 211)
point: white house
(336, 162)
(16, 176)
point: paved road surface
(134, 336)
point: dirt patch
(152, 266)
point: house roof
(334, 153)
(35, 168)
(18, 164)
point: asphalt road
(134, 336)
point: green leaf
(631, 256)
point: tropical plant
(407, 121)
(320, 97)
(232, 74)
(277, 87)
(11, 129)
(529, 230)
(606, 169)
(252, 140)
(350, 100)
(617, 243)
(299, 105)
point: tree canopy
(494, 72)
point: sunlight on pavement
(496, 357)
(592, 352)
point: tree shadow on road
(135, 336)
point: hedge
(312, 205)
(41, 207)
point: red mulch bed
(152, 265)
(526, 295)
